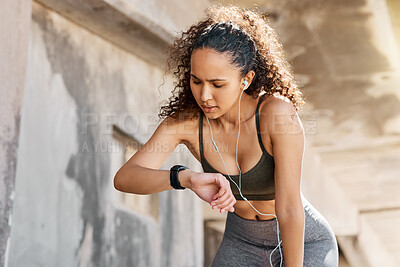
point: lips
(209, 108)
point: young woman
(236, 111)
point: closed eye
(216, 86)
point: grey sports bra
(258, 183)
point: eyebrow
(212, 80)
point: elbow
(291, 213)
(117, 182)
(123, 184)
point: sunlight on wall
(394, 11)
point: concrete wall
(14, 36)
(173, 15)
(66, 211)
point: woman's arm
(287, 136)
(141, 180)
(141, 174)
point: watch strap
(174, 172)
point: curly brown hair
(273, 74)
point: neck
(230, 120)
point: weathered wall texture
(14, 36)
(174, 15)
(66, 210)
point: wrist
(184, 178)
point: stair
(367, 177)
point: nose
(205, 94)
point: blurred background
(81, 86)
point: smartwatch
(173, 175)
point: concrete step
(380, 237)
(370, 177)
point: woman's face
(214, 81)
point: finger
(223, 199)
(229, 206)
(221, 181)
(225, 203)
(220, 193)
(224, 186)
(220, 199)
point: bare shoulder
(187, 131)
(178, 127)
(275, 104)
(184, 128)
(278, 115)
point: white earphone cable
(240, 179)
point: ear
(248, 77)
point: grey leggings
(250, 242)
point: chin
(212, 116)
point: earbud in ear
(245, 84)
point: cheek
(195, 92)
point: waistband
(256, 232)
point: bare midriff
(244, 210)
